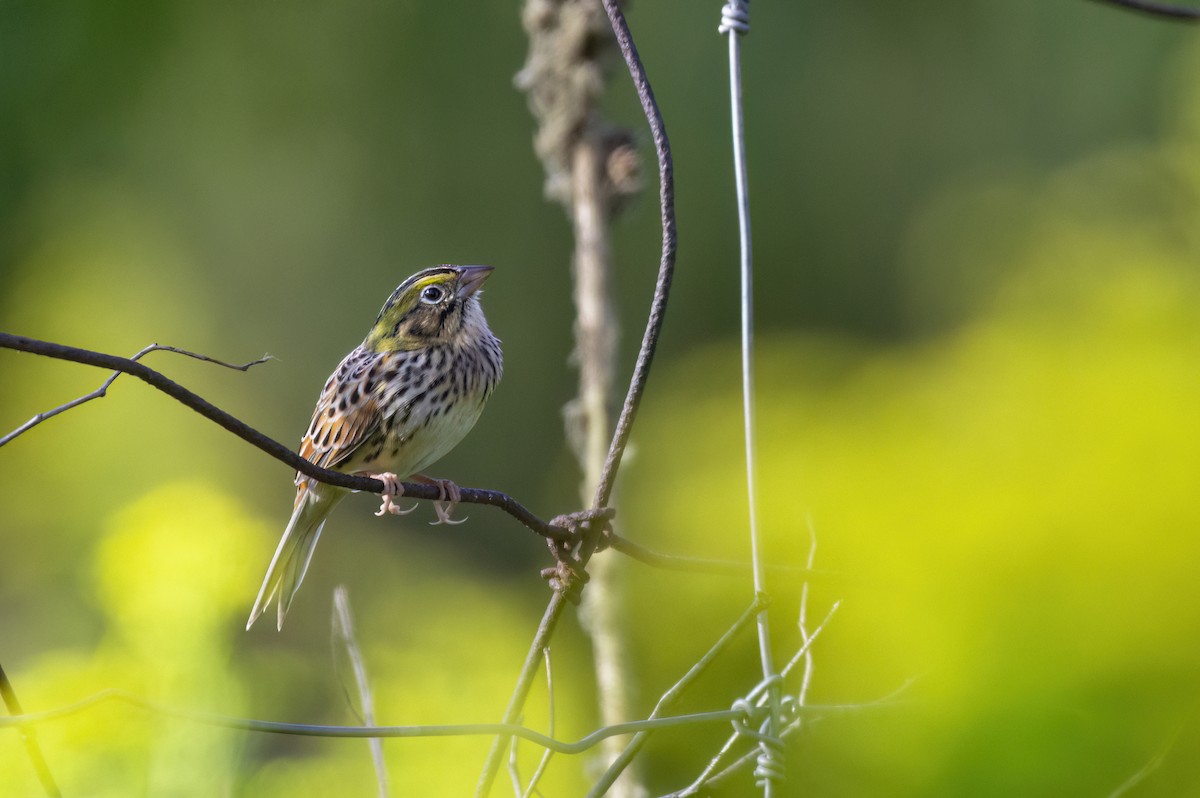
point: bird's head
(434, 306)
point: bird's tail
(295, 550)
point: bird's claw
(393, 489)
(448, 498)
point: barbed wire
(770, 772)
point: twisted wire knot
(769, 766)
(568, 575)
(735, 17)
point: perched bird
(402, 399)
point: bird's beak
(471, 278)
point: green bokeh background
(977, 233)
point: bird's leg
(393, 489)
(448, 497)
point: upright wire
(735, 23)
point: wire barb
(735, 18)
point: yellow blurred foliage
(170, 570)
(181, 556)
(174, 574)
(1008, 511)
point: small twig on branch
(802, 623)
(32, 749)
(1162, 10)
(277, 450)
(637, 385)
(343, 632)
(805, 652)
(103, 389)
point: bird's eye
(432, 295)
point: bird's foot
(393, 489)
(449, 496)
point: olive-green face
(427, 308)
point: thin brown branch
(277, 450)
(591, 169)
(666, 265)
(102, 391)
(637, 385)
(1154, 9)
(29, 738)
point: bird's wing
(346, 414)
